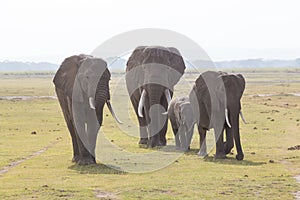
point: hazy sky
(49, 30)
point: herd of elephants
(82, 88)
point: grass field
(35, 148)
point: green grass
(273, 126)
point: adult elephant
(151, 74)
(82, 87)
(215, 99)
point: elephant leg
(66, 106)
(177, 140)
(80, 119)
(189, 135)
(236, 135)
(240, 154)
(228, 145)
(176, 135)
(175, 132)
(202, 134)
(163, 133)
(219, 138)
(182, 137)
(93, 127)
(142, 121)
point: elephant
(151, 74)
(82, 87)
(182, 120)
(215, 99)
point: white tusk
(168, 96)
(242, 116)
(112, 112)
(141, 104)
(226, 117)
(92, 103)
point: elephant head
(151, 74)
(92, 85)
(182, 120)
(162, 69)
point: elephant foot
(163, 142)
(239, 156)
(227, 148)
(220, 155)
(154, 143)
(75, 158)
(143, 141)
(181, 149)
(202, 154)
(86, 161)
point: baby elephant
(181, 116)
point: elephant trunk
(155, 94)
(101, 97)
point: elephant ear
(65, 75)
(134, 72)
(176, 63)
(242, 82)
(136, 58)
(234, 84)
(91, 72)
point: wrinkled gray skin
(82, 88)
(154, 70)
(212, 93)
(182, 120)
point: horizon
(229, 60)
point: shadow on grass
(227, 161)
(95, 169)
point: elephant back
(65, 75)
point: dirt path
(37, 153)
(26, 97)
